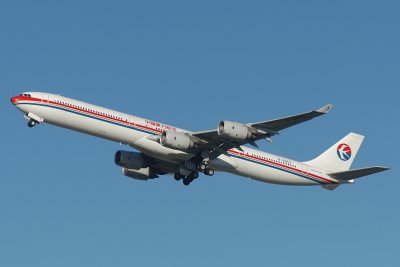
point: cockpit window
(27, 95)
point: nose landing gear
(33, 119)
(31, 123)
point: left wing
(233, 135)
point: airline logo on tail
(344, 152)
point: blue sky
(63, 202)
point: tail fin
(340, 156)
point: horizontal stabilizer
(356, 173)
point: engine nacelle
(129, 160)
(141, 174)
(176, 140)
(234, 130)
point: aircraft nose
(13, 100)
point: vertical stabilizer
(340, 156)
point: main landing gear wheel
(202, 167)
(31, 123)
(190, 178)
(177, 176)
(209, 172)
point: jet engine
(234, 130)
(177, 141)
(129, 160)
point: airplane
(165, 149)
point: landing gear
(191, 169)
(209, 172)
(31, 123)
(203, 167)
(190, 178)
(187, 181)
(178, 177)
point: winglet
(325, 109)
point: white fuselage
(138, 132)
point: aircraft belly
(224, 163)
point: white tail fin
(340, 156)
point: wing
(274, 126)
(217, 143)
